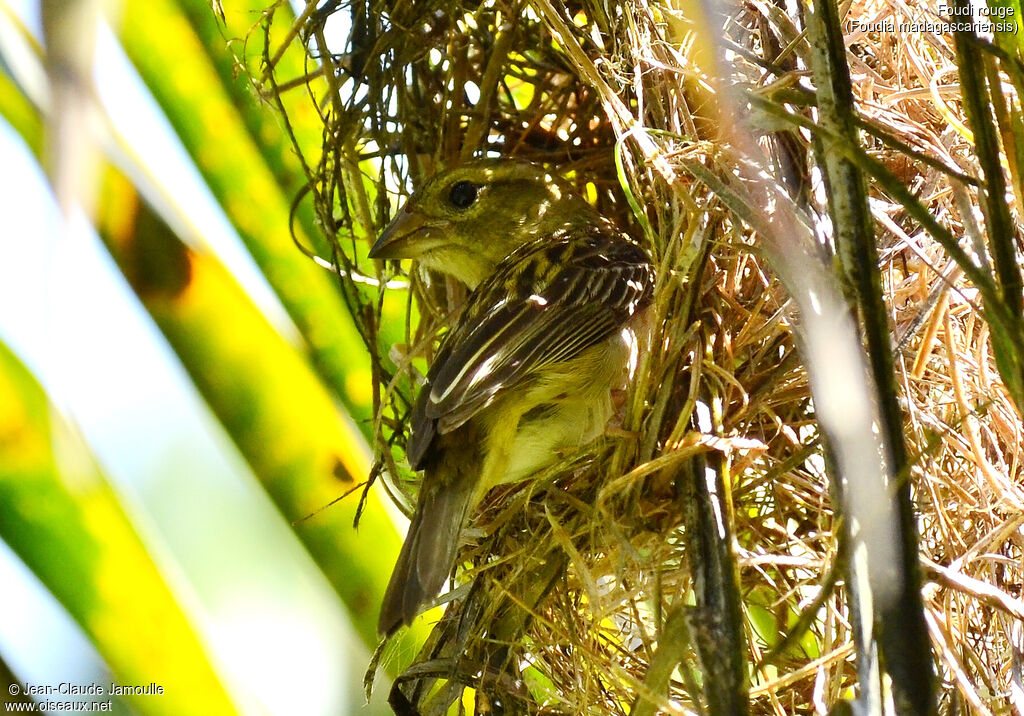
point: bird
(527, 372)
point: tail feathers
(427, 556)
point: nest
(575, 592)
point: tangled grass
(580, 592)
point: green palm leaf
(62, 519)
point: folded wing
(544, 304)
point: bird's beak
(407, 236)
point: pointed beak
(406, 237)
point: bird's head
(463, 221)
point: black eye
(462, 194)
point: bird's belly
(554, 430)
(570, 408)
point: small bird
(528, 370)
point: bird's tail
(428, 554)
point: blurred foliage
(295, 412)
(61, 517)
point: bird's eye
(462, 194)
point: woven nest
(569, 587)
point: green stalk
(902, 631)
(998, 224)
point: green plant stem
(899, 619)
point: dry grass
(594, 552)
(960, 421)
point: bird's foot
(618, 401)
(614, 427)
(617, 431)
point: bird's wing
(545, 303)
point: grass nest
(578, 592)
